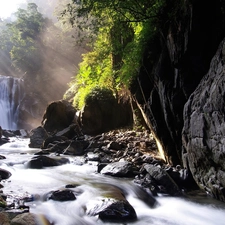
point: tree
(118, 31)
(26, 30)
(5, 48)
(98, 11)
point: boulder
(71, 132)
(29, 218)
(163, 178)
(103, 112)
(4, 219)
(4, 174)
(118, 169)
(58, 148)
(37, 137)
(52, 140)
(62, 195)
(113, 208)
(58, 116)
(204, 129)
(38, 162)
(76, 148)
(114, 145)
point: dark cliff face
(204, 129)
(184, 52)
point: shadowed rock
(203, 132)
(113, 208)
(163, 178)
(37, 137)
(58, 116)
(39, 162)
(4, 174)
(62, 195)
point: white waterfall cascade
(10, 97)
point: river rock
(58, 116)
(58, 148)
(37, 137)
(113, 208)
(42, 161)
(114, 145)
(62, 195)
(76, 148)
(4, 219)
(118, 169)
(204, 133)
(2, 157)
(4, 174)
(29, 218)
(163, 178)
(71, 131)
(51, 140)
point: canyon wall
(185, 49)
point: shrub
(99, 94)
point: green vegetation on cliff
(119, 32)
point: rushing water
(194, 210)
(10, 97)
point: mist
(57, 64)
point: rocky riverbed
(127, 154)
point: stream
(36, 183)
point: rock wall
(204, 129)
(184, 52)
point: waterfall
(10, 97)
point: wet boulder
(2, 157)
(62, 195)
(117, 211)
(113, 208)
(39, 162)
(118, 169)
(163, 179)
(29, 218)
(4, 174)
(37, 137)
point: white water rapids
(38, 182)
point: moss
(99, 94)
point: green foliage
(133, 52)
(122, 31)
(95, 70)
(20, 40)
(111, 63)
(25, 32)
(99, 94)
